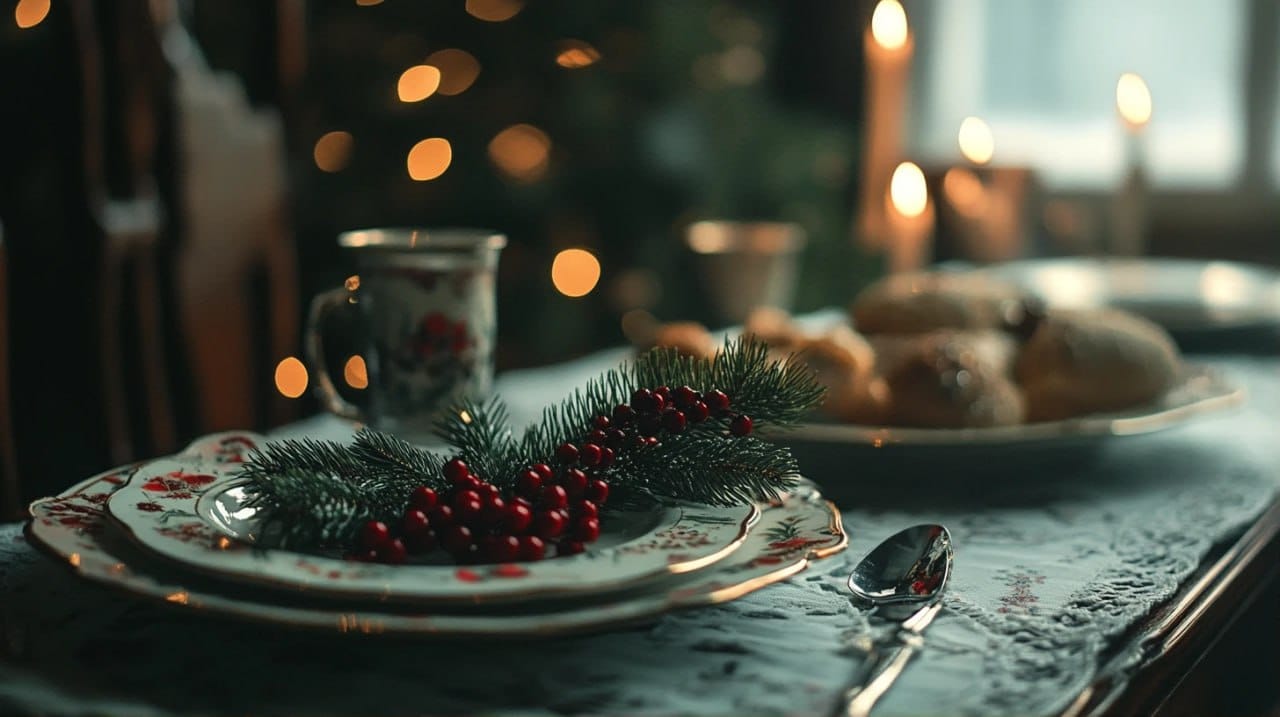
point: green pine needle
(317, 494)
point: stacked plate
(176, 529)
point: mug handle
(333, 401)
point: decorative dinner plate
(191, 510)
(74, 528)
(1198, 392)
(1188, 297)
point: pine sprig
(318, 493)
(716, 472)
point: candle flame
(908, 192)
(1133, 100)
(976, 142)
(889, 24)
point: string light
(291, 377)
(333, 151)
(418, 83)
(29, 13)
(429, 159)
(521, 151)
(575, 272)
(575, 54)
(458, 70)
(356, 373)
(494, 10)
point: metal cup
(426, 301)
(746, 265)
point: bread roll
(1079, 362)
(943, 380)
(920, 302)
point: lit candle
(887, 45)
(1128, 218)
(910, 218)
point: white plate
(185, 508)
(1200, 391)
(74, 528)
(1185, 296)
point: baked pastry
(919, 302)
(995, 349)
(1079, 362)
(688, 338)
(942, 380)
(844, 363)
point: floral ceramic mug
(426, 299)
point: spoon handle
(888, 663)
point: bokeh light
(291, 377)
(964, 191)
(1133, 100)
(29, 13)
(458, 70)
(494, 10)
(908, 192)
(574, 54)
(429, 159)
(521, 151)
(889, 24)
(333, 151)
(355, 373)
(976, 141)
(418, 83)
(575, 272)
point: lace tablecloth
(1053, 562)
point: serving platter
(1199, 391)
(74, 528)
(1190, 298)
(192, 511)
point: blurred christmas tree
(605, 127)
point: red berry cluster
(650, 413)
(474, 523)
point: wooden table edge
(1174, 637)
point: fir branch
(713, 469)
(480, 433)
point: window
(1043, 75)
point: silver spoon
(902, 580)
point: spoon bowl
(910, 566)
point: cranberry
(597, 492)
(717, 401)
(528, 483)
(544, 471)
(646, 401)
(423, 498)
(575, 482)
(586, 529)
(673, 420)
(517, 518)
(554, 496)
(598, 437)
(606, 457)
(586, 509)
(649, 424)
(685, 397)
(415, 522)
(455, 470)
(567, 453)
(591, 455)
(548, 524)
(601, 422)
(375, 535)
(741, 425)
(494, 512)
(664, 392)
(441, 517)
(532, 547)
(393, 552)
(697, 412)
(615, 437)
(500, 548)
(622, 414)
(457, 540)
(468, 507)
